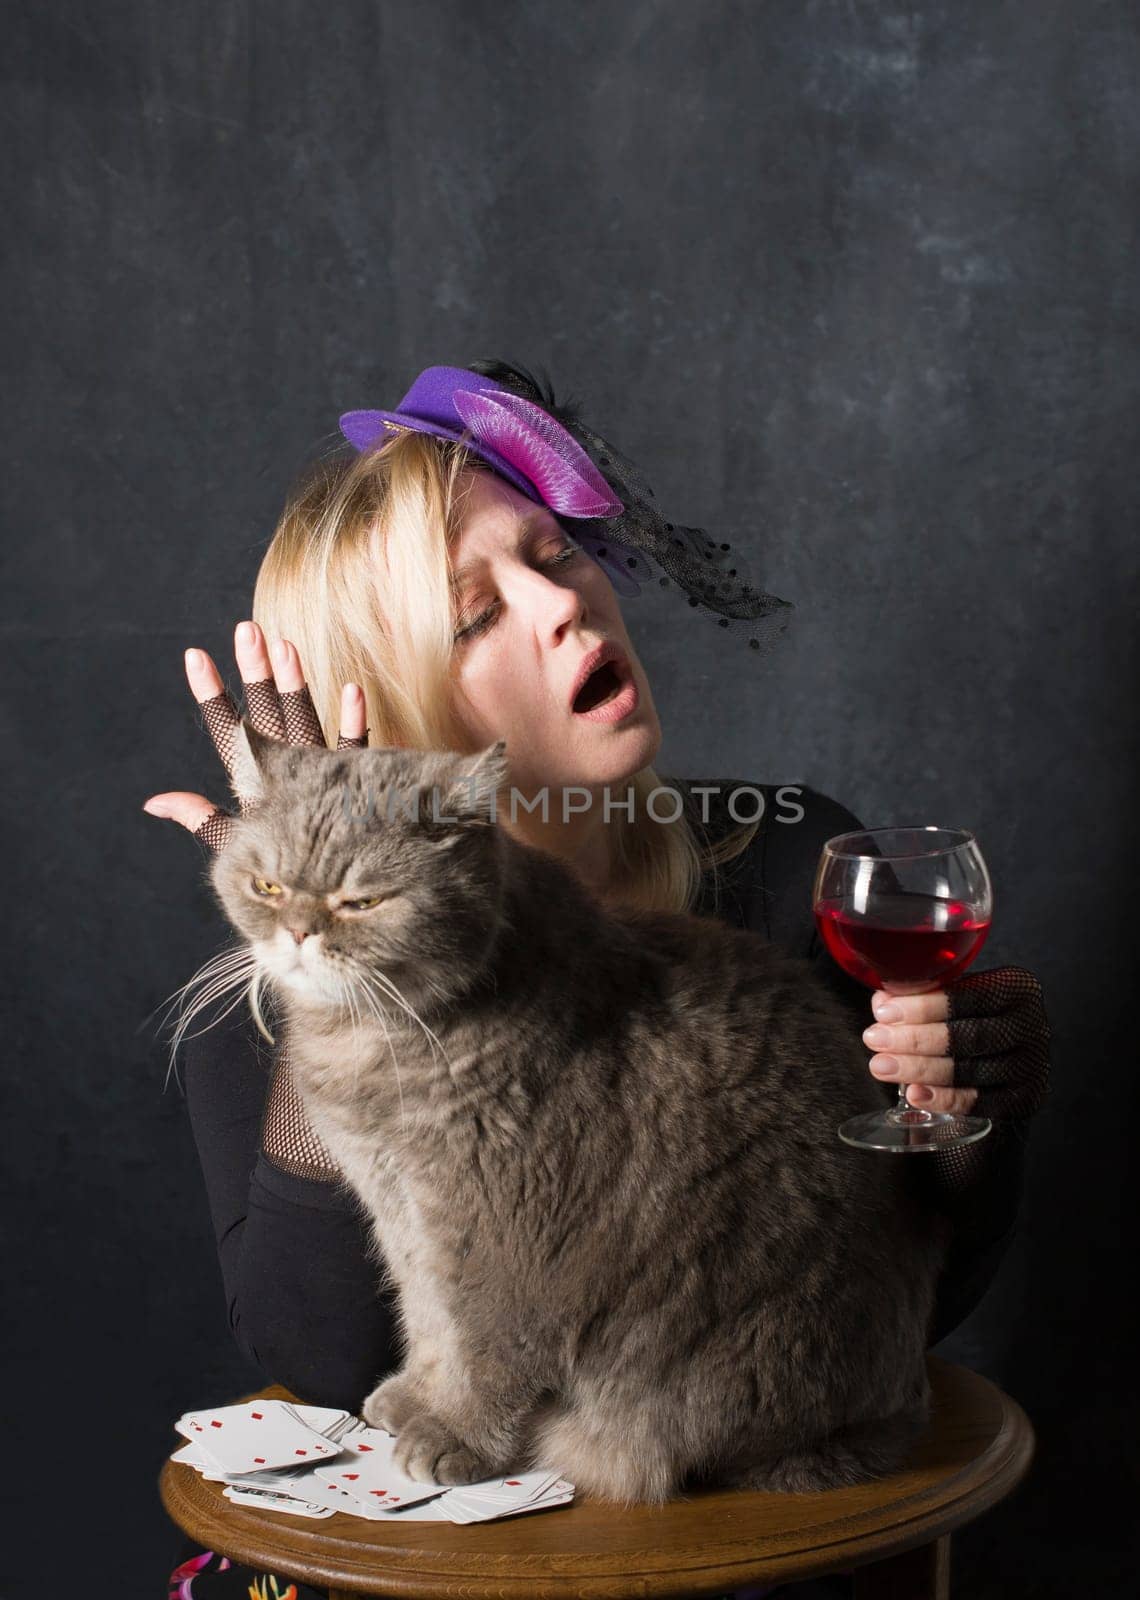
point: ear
(251, 753)
(475, 783)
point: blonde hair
(357, 575)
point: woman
(437, 599)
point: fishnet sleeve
(287, 1138)
(999, 1041)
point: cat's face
(348, 880)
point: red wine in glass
(912, 907)
(917, 941)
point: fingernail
(280, 653)
(156, 808)
(247, 634)
(194, 659)
(884, 1066)
(886, 1010)
(876, 1036)
(919, 1091)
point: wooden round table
(896, 1532)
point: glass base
(912, 1131)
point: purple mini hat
(521, 441)
(501, 413)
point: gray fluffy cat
(597, 1147)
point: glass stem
(903, 1104)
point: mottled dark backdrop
(855, 283)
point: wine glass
(910, 906)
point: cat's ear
(478, 780)
(249, 758)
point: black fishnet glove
(287, 1140)
(289, 715)
(999, 1041)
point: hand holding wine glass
(910, 907)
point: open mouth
(602, 686)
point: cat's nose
(299, 935)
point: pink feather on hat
(538, 446)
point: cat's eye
(362, 905)
(265, 887)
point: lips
(602, 655)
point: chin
(613, 762)
(626, 752)
(315, 985)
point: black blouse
(303, 1299)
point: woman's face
(529, 610)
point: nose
(555, 606)
(299, 935)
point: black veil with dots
(639, 546)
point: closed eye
(483, 621)
(266, 889)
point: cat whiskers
(390, 988)
(348, 992)
(235, 967)
(368, 982)
(377, 1010)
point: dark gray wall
(856, 283)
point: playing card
(295, 1482)
(324, 1419)
(260, 1434)
(512, 1491)
(353, 1472)
(266, 1500)
(462, 1506)
(380, 1511)
(561, 1499)
(367, 1472)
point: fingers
(278, 701)
(278, 704)
(933, 1006)
(958, 1102)
(986, 1036)
(302, 725)
(930, 1081)
(985, 1033)
(191, 810)
(219, 713)
(353, 733)
(199, 816)
(276, 693)
(912, 1044)
(215, 831)
(277, 698)
(909, 1039)
(252, 657)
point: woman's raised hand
(278, 704)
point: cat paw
(428, 1451)
(391, 1403)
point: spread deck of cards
(312, 1461)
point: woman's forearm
(304, 1301)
